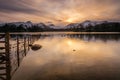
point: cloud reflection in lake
(57, 60)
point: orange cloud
(59, 11)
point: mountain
(42, 26)
(2, 24)
(52, 26)
(98, 26)
(86, 26)
(23, 26)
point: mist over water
(72, 57)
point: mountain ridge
(87, 25)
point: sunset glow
(60, 12)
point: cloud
(59, 11)
(14, 6)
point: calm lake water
(72, 57)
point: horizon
(59, 12)
(59, 26)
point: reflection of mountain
(87, 37)
(93, 37)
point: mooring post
(7, 51)
(18, 58)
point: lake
(72, 56)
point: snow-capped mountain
(85, 24)
(51, 25)
(25, 25)
(92, 23)
(41, 25)
(94, 26)
(2, 24)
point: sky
(59, 12)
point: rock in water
(74, 50)
(36, 47)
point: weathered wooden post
(28, 42)
(30, 39)
(7, 51)
(18, 60)
(25, 45)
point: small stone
(74, 50)
(36, 47)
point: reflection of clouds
(60, 10)
(63, 49)
(57, 58)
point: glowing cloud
(59, 11)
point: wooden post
(8, 62)
(28, 42)
(31, 39)
(25, 45)
(18, 60)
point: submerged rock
(74, 50)
(36, 47)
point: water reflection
(73, 57)
(87, 37)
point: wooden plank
(2, 53)
(2, 41)
(3, 63)
(2, 58)
(3, 78)
(1, 68)
(2, 47)
(2, 74)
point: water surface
(72, 57)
